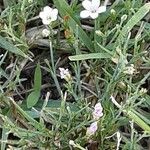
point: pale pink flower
(65, 74)
(98, 111)
(92, 129)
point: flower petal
(94, 15)
(101, 9)
(46, 21)
(87, 4)
(97, 115)
(95, 4)
(92, 129)
(47, 9)
(42, 15)
(98, 106)
(84, 14)
(54, 14)
(64, 73)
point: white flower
(64, 74)
(92, 9)
(143, 91)
(92, 129)
(97, 113)
(129, 70)
(45, 32)
(48, 15)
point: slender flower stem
(78, 64)
(53, 71)
(96, 37)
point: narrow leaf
(135, 19)
(4, 138)
(33, 98)
(139, 121)
(35, 123)
(89, 56)
(37, 78)
(51, 105)
(11, 48)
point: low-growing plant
(74, 74)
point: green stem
(53, 71)
(78, 63)
(96, 37)
(138, 120)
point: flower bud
(124, 17)
(113, 12)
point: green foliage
(74, 23)
(89, 56)
(10, 47)
(105, 57)
(34, 96)
(136, 18)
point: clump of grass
(69, 82)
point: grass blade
(89, 56)
(135, 19)
(4, 138)
(138, 120)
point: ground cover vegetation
(75, 74)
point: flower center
(48, 17)
(93, 9)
